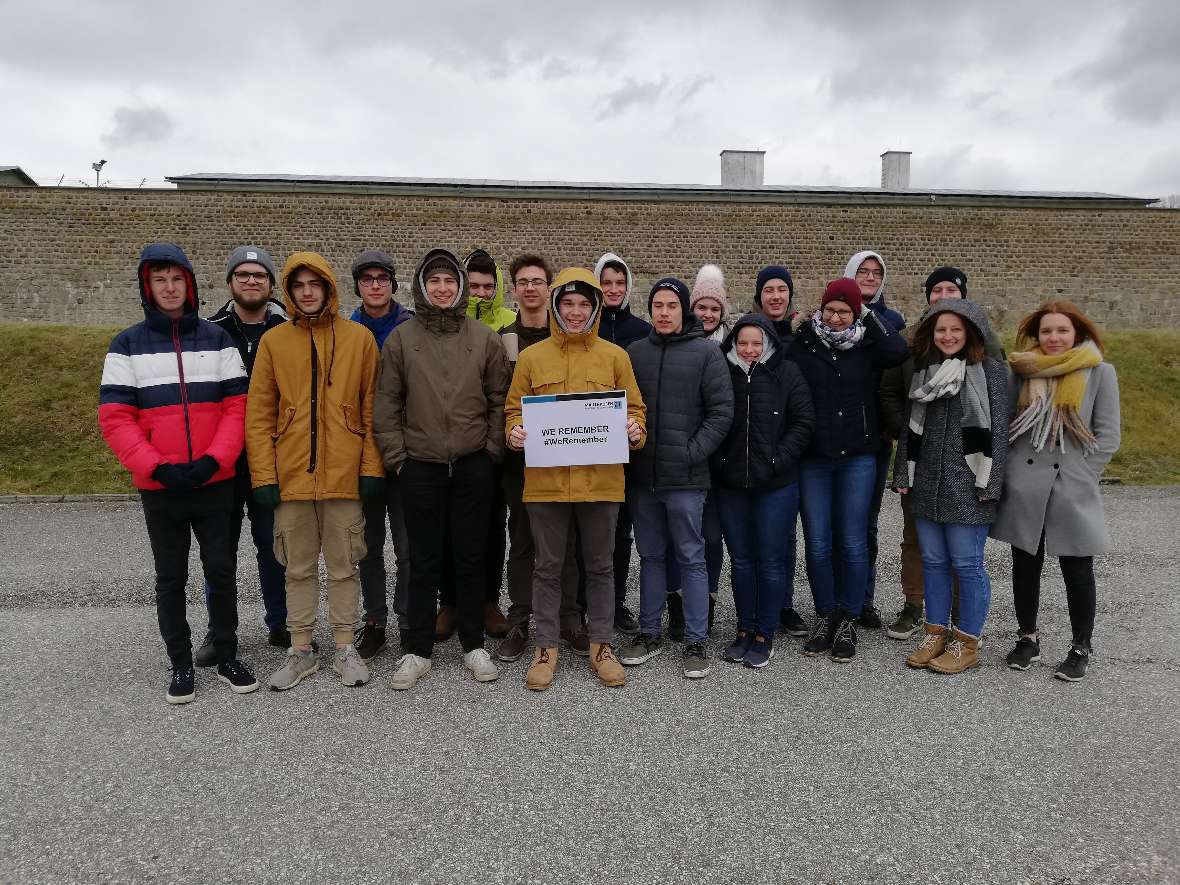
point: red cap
(845, 290)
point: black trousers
(1080, 592)
(493, 570)
(171, 517)
(441, 502)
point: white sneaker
(410, 668)
(350, 667)
(479, 662)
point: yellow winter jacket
(309, 426)
(569, 362)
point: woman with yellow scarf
(1064, 431)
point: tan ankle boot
(932, 645)
(604, 663)
(962, 653)
(542, 670)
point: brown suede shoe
(577, 639)
(512, 646)
(494, 622)
(444, 624)
(932, 645)
(542, 670)
(962, 653)
(604, 663)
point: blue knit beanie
(773, 272)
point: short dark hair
(528, 260)
(926, 352)
(482, 263)
(615, 265)
(155, 266)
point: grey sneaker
(298, 666)
(410, 668)
(696, 661)
(640, 650)
(479, 662)
(907, 622)
(348, 664)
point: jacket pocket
(551, 381)
(598, 378)
(284, 422)
(351, 421)
(356, 541)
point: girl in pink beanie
(710, 302)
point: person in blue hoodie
(867, 269)
(374, 278)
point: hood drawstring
(332, 352)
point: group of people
(328, 432)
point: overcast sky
(1022, 94)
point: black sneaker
(870, 618)
(237, 676)
(625, 621)
(675, 617)
(819, 640)
(792, 623)
(844, 643)
(696, 661)
(183, 686)
(206, 654)
(369, 640)
(1026, 653)
(1073, 668)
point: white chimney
(742, 169)
(895, 170)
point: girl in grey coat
(950, 462)
(1065, 431)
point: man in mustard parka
(574, 360)
(309, 439)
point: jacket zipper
(315, 389)
(188, 435)
(749, 385)
(655, 461)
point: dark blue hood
(171, 254)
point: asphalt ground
(808, 771)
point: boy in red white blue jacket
(172, 408)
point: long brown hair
(1028, 332)
(926, 352)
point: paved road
(806, 772)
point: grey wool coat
(1057, 491)
(944, 486)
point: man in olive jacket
(438, 418)
(685, 383)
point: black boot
(675, 617)
(823, 631)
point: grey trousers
(550, 522)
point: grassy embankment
(50, 443)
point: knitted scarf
(954, 377)
(845, 339)
(1051, 396)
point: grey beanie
(373, 258)
(247, 254)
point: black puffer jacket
(689, 400)
(843, 386)
(772, 417)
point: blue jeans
(884, 461)
(752, 521)
(714, 548)
(671, 518)
(271, 576)
(947, 545)
(835, 495)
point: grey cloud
(1160, 175)
(135, 126)
(959, 168)
(631, 94)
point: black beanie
(672, 284)
(373, 258)
(946, 274)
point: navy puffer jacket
(773, 417)
(843, 386)
(689, 400)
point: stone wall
(68, 255)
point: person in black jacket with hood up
(758, 474)
(841, 351)
(689, 401)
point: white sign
(569, 429)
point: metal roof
(19, 173)
(487, 187)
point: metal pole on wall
(97, 167)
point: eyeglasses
(246, 276)
(379, 280)
(842, 314)
(534, 283)
(870, 272)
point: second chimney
(895, 170)
(742, 169)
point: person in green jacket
(487, 292)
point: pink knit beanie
(710, 283)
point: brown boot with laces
(932, 645)
(604, 663)
(542, 670)
(962, 653)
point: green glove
(372, 487)
(268, 496)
